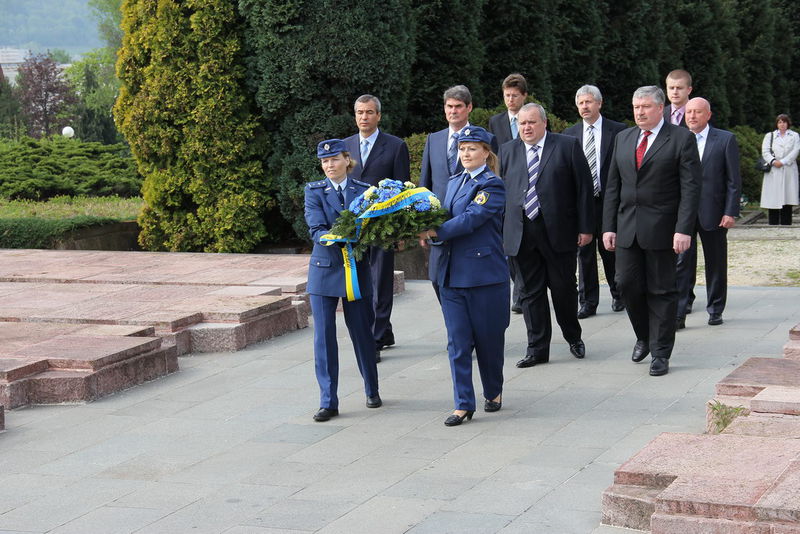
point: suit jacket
(668, 115)
(387, 159)
(661, 198)
(471, 241)
(435, 173)
(326, 267)
(566, 194)
(500, 127)
(722, 183)
(609, 131)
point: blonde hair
(352, 164)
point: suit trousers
(476, 318)
(358, 316)
(588, 280)
(382, 265)
(715, 253)
(539, 267)
(646, 279)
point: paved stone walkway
(228, 445)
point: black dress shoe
(492, 406)
(516, 308)
(680, 323)
(715, 319)
(688, 308)
(659, 366)
(455, 420)
(530, 361)
(585, 312)
(640, 350)
(617, 305)
(377, 356)
(374, 402)
(578, 349)
(386, 341)
(324, 414)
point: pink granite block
(676, 524)
(115, 330)
(777, 399)
(59, 386)
(399, 282)
(781, 503)
(247, 291)
(218, 337)
(220, 276)
(288, 284)
(164, 320)
(757, 373)
(132, 371)
(766, 425)
(791, 349)
(163, 293)
(2, 418)
(794, 332)
(98, 310)
(628, 506)
(181, 340)
(708, 495)
(12, 369)
(234, 309)
(88, 352)
(273, 324)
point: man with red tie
(649, 213)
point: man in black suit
(440, 157)
(504, 125)
(505, 128)
(649, 213)
(679, 87)
(378, 155)
(549, 214)
(596, 133)
(719, 205)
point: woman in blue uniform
(472, 275)
(324, 200)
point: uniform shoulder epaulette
(317, 184)
(359, 182)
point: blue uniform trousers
(476, 318)
(358, 317)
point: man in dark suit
(649, 213)
(440, 156)
(679, 87)
(596, 134)
(719, 205)
(505, 127)
(378, 155)
(549, 214)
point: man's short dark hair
(516, 81)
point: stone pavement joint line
(743, 480)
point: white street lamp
(68, 132)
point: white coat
(780, 185)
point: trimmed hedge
(35, 232)
(39, 169)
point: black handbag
(763, 165)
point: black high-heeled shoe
(455, 420)
(492, 406)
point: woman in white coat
(779, 192)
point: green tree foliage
(757, 36)
(310, 60)
(108, 14)
(184, 109)
(45, 96)
(97, 86)
(449, 51)
(11, 125)
(39, 169)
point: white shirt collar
(598, 125)
(540, 144)
(371, 138)
(341, 185)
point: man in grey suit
(440, 156)
(505, 128)
(649, 215)
(596, 134)
(549, 214)
(719, 205)
(378, 155)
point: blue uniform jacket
(326, 268)
(471, 242)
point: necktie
(676, 117)
(514, 128)
(340, 195)
(591, 157)
(699, 145)
(364, 151)
(452, 160)
(532, 198)
(641, 149)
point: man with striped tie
(549, 214)
(596, 133)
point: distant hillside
(39, 25)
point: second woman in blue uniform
(472, 275)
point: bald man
(719, 206)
